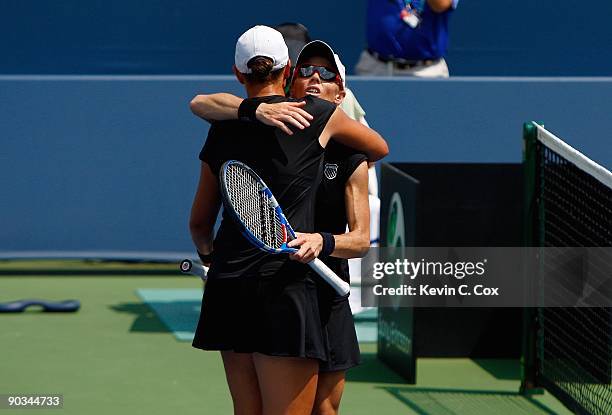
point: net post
(531, 239)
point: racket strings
(254, 207)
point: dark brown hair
(261, 70)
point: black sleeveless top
(291, 167)
(339, 164)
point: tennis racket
(247, 198)
(193, 268)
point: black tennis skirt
(224, 315)
(340, 336)
(275, 315)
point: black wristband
(206, 259)
(246, 110)
(329, 244)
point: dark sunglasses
(326, 74)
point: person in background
(406, 37)
(296, 35)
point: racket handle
(189, 267)
(342, 287)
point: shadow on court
(145, 319)
(166, 310)
(433, 401)
(373, 370)
(502, 369)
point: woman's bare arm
(216, 107)
(204, 211)
(223, 106)
(440, 6)
(353, 134)
(356, 242)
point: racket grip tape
(342, 287)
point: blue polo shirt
(390, 37)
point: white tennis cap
(261, 41)
(320, 48)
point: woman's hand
(283, 115)
(309, 247)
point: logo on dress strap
(331, 171)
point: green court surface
(179, 310)
(116, 356)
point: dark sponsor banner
(398, 277)
(398, 220)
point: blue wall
(154, 36)
(110, 163)
(531, 38)
(488, 37)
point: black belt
(403, 63)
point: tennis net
(569, 204)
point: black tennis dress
(335, 311)
(254, 301)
